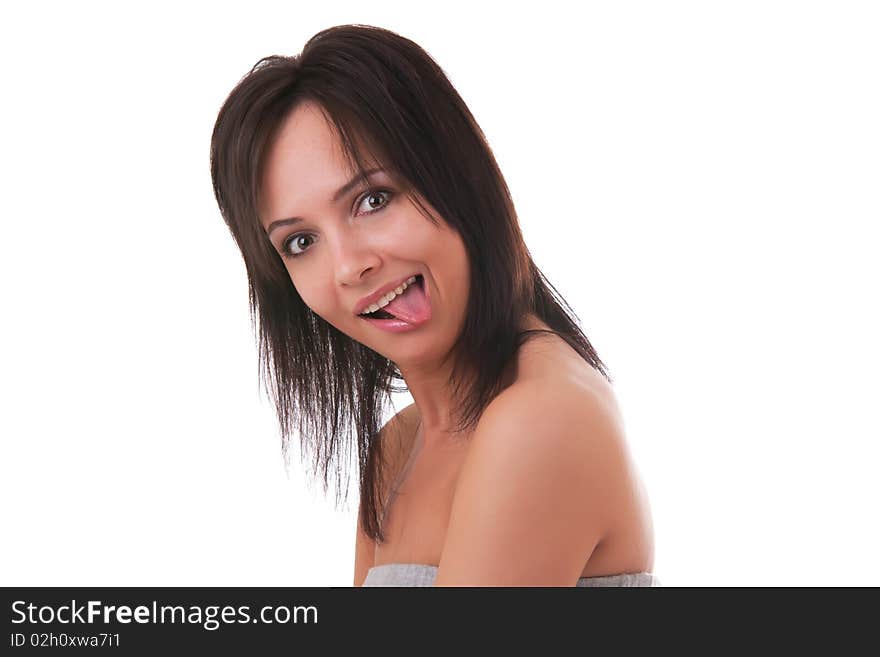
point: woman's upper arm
(532, 496)
(394, 437)
(364, 554)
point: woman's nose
(352, 258)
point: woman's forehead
(304, 163)
(305, 143)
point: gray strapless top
(416, 574)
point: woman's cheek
(320, 300)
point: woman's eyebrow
(342, 191)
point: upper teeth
(384, 301)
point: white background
(698, 179)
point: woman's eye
(288, 249)
(372, 200)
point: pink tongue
(412, 306)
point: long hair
(384, 94)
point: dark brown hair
(383, 93)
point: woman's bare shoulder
(548, 362)
(557, 391)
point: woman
(381, 244)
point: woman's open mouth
(404, 312)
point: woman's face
(344, 247)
